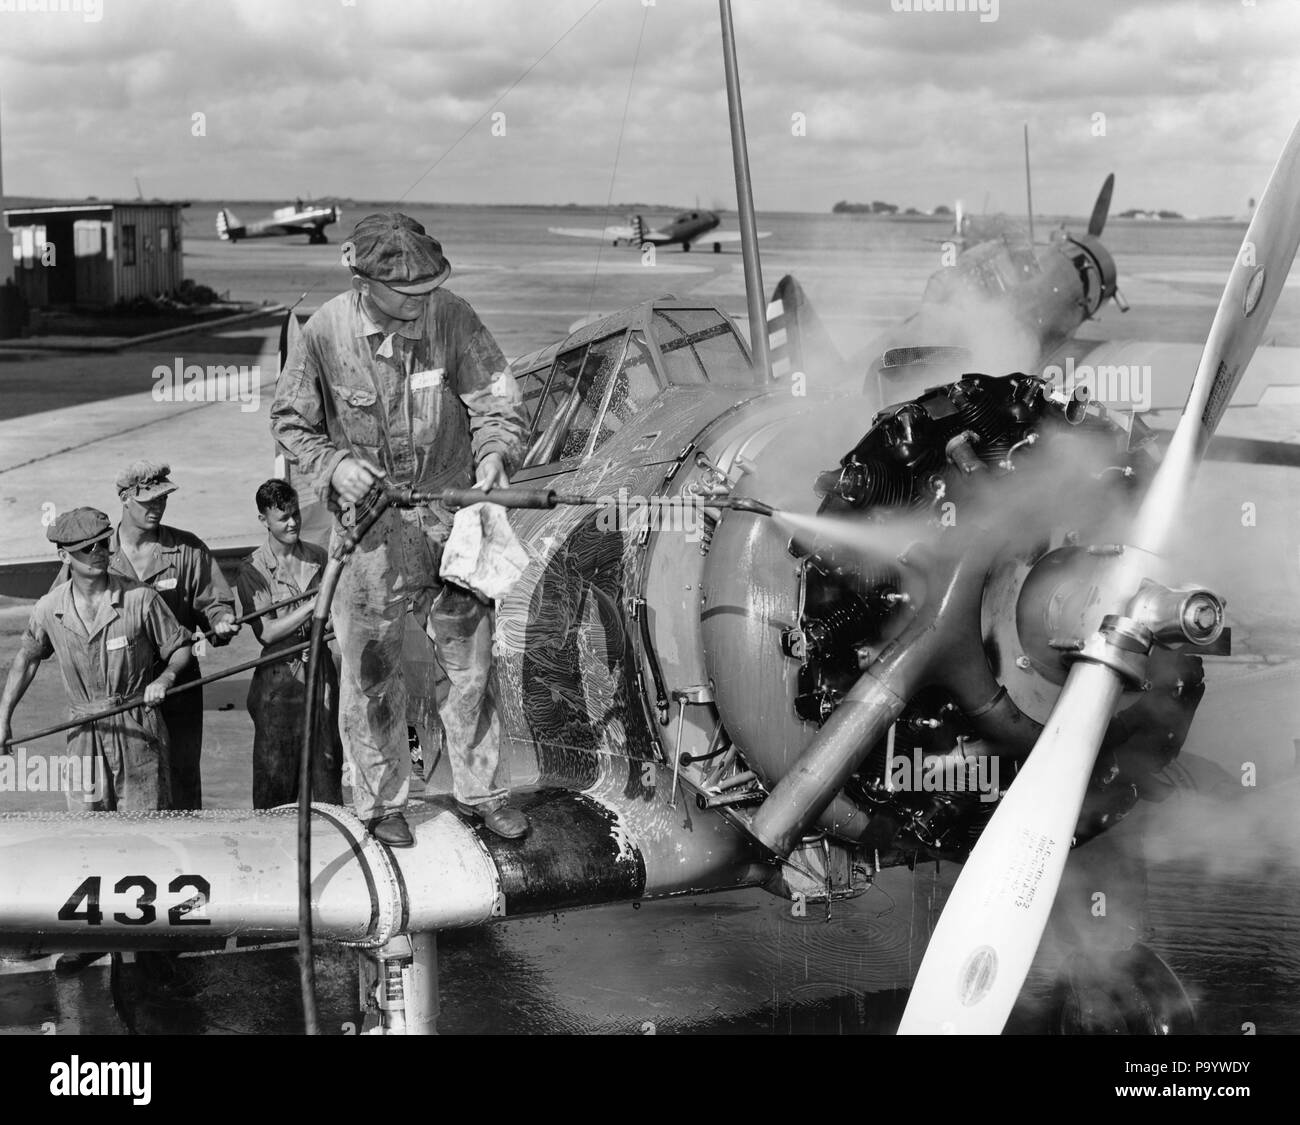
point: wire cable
(618, 150)
(479, 120)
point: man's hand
(153, 694)
(352, 480)
(224, 630)
(491, 473)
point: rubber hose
(320, 614)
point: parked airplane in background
(300, 218)
(689, 227)
(1003, 303)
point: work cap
(393, 248)
(145, 480)
(79, 528)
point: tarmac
(70, 419)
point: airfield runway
(1224, 908)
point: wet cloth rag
(483, 553)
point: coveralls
(275, 697)
(129, 641)
(425, 404)
(184, 572)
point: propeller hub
(1178, 615)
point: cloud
(365, 99)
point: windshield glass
(700, 346)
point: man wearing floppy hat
(181, 569)
(114, 640)
(400, 377)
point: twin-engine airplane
(743, 606)
(300, 218)
(688, 228)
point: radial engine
(884, 664)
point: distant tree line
(1138, 213)
(880, 207)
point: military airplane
(723, 646)
(997, 303)
(300, 218)
(686, 229)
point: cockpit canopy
(579, 393)
(986, 270)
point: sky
(591, 101)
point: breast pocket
(358, 412)
(427, 391)
(130, 658)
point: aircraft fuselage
(1008, 305)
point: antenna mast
(6, 254)
(745, 200)
(1029, 193)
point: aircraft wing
(303, 224)
(608, 233)
(726, 236)
(1157, 376)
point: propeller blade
(1101, 208)
(982, 948)
(1252, 291)
(989, 931)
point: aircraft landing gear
(399, 986)
(686, 247)
(717, 247)
(317, 238)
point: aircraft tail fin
(316, 518)
(290, 330)
(797, 340)
(225, 221)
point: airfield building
(95, 253)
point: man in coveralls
(283, 567)
(114, 639)
(181, 568)
(399, 375)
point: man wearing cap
(180, 567)
(111, 637)
(399, 376)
